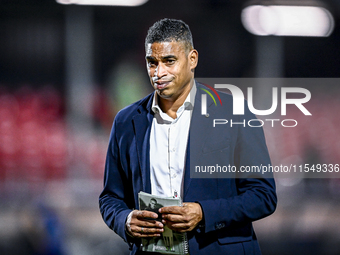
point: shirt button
(174, 176)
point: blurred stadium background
(65, 71)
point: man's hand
(144, 224)
(182, 218)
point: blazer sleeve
(113, 201)
(256, 195)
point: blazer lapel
(142, 125)
(198, 128)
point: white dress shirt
(168, 144)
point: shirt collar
(188, 103)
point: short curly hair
(169, 30)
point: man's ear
(193, 58)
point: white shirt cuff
(127, 224)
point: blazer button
(220, 225)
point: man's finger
(138, 235)
(180, 227)
(147, 223)
(146, 230)
(172, 209)
(138, 231)
(175, 218)
(146, 214)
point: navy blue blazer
(229, 204)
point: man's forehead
(164, 48)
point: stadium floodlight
(287, 20)
(104, 2)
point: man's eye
(170, 61)
(151, 64)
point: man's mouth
(162, 84)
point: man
(152, 150)
(154, 207)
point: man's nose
(160, 71)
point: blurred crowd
(36, 143)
